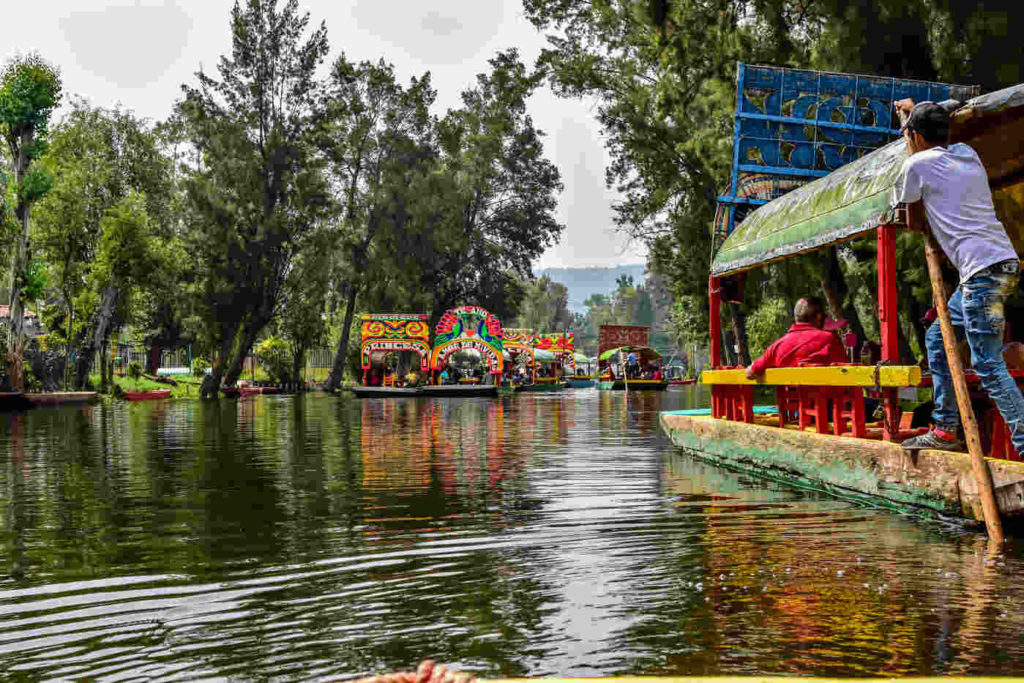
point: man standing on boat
(948, 185)
(806, 342)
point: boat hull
(581, 383)
(154, 395)
(633, 385)
(386, 392)
(540, 386)
(930, 483)
(61, 398)
(460, 391)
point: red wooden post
(888, 320)
(715, 322)
(718, 392)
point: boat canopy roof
(539, 355)
(859, 196)
(580, 358)
(645, 352)
(542, 356)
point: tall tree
(379, 133)
(259, 183)
(30, 89)
(545, 307)
(504, 191)
(97, 159)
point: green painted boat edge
(932, 484)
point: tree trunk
(728, 348)
(211, 382)
(237, 361)
(298, 356)
(835, 290)
(16, 354)
(338, 369)
(739, 329)
(104, 367)
(97, 337)
(153, 359)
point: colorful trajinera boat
(817, 432)
(552, 351)
(467, 328)
(392, 333)
(583, 373)
(615, 344)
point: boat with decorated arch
(466, 330)
(550, 354)
(391, 343)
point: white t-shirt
(958, 202)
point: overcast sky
(139, 52)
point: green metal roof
(849, 201)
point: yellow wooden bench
(808, 392)
(888, 376)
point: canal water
(310, 537)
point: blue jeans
(977, 309)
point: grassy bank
(187, 385)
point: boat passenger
(632, 366)
(948, 186)
(805, 343)
(445, 377)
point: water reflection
(533, 534)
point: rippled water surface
(308, 537)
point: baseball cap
(930, 120)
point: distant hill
(582, 282)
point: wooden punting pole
(982, 475)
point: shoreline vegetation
(289, 188)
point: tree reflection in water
(535, 533)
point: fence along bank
(817, 432)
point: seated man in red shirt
(805, 343)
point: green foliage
(545, 306)
(275, 357)
(35, 280)
(665, 95)
(30, 89)
(200, 366)
(134, 370)
(766, 324)
(257, 185)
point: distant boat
(154, 395)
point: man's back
(803, 343)
(958, 202)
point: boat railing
(810, 396)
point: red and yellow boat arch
(387, 332)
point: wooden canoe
(153, 395)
